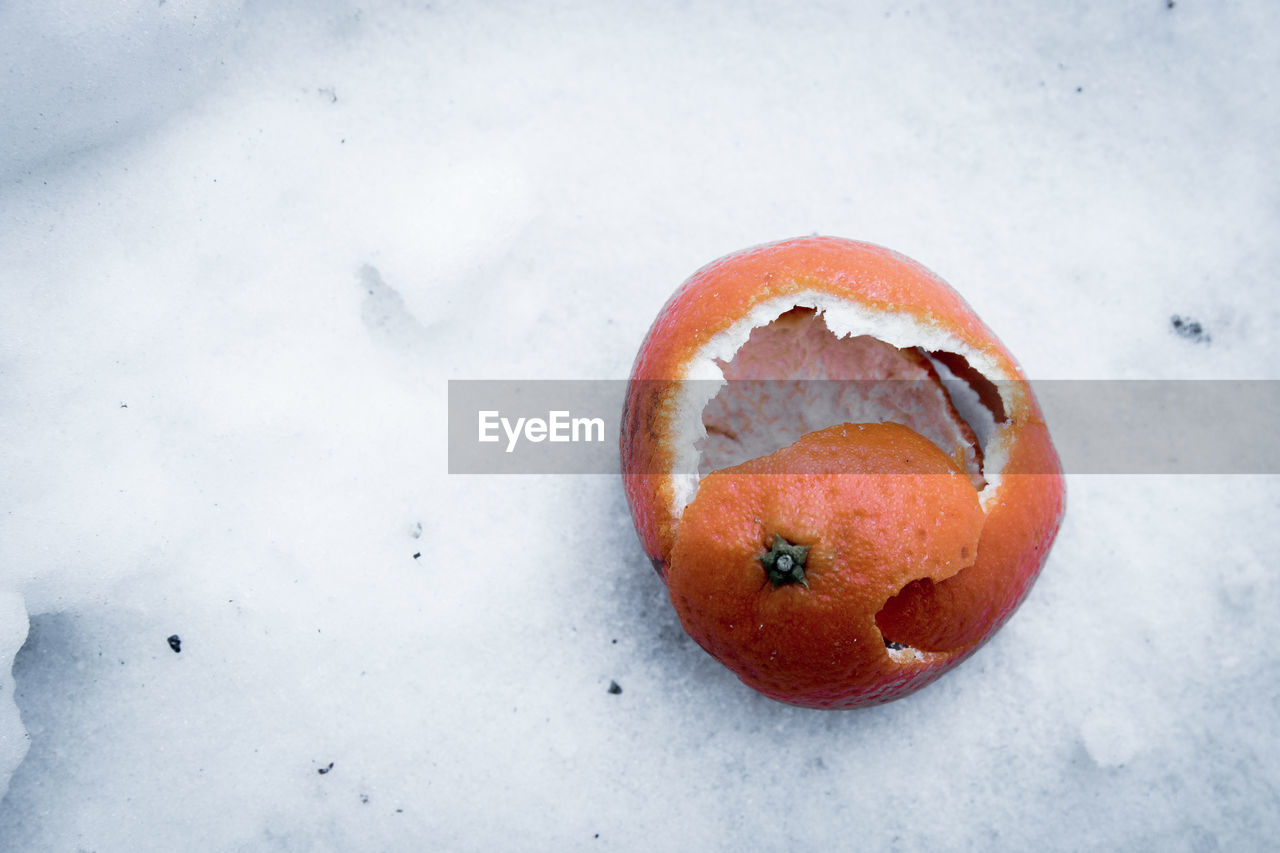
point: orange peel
(795, 391)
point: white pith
(843, 319)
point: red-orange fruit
(829, 525)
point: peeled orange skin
(907, 513)
(943, 620)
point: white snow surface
(243, 247)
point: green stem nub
(785, 562)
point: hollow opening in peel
(793, 375)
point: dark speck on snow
(1188, 328)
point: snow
(243, 247)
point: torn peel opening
(794, 376)
(917, 618)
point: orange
(835, 543)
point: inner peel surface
(840, 319)
(793, 377)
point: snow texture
(244, 245)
